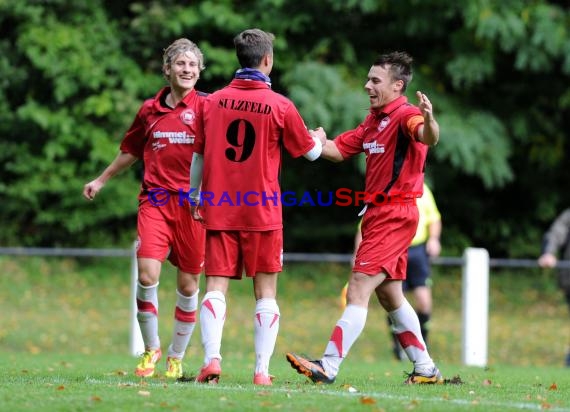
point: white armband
(316, 151)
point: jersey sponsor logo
(181, 140)
(187, 116)
(174, 137)
(383, 123)
(374, 147)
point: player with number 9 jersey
(236, 162)
(246, 125)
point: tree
(74, 74)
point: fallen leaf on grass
(268, 404)
(60, 387)
(95, 398)
(34, 349)
(553, 387)
(169, 406)
(367, 400)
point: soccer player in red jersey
(162, 136)
(237, 160)
(395, 137)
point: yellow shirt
(429, 213)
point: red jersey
(245, 126)
(395, 159)
(163, 138)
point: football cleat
(312, 369)
(430, 378)
(262, 379)
(173, 368)
(211, 372)
(145, 368)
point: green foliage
(74, 74)
(65, 121)
(340, 108)
(469, 70)
(477, 143)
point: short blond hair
(180, 46)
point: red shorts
(169, 231)
(387, 232)
(233, 251)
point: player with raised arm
(395, 137)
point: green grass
(78, 382)
(64, 345)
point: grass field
(64, 342)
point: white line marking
(380, 395)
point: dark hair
(400, 66)
(251, 45)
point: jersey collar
(390, 107)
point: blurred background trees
(73, 74)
